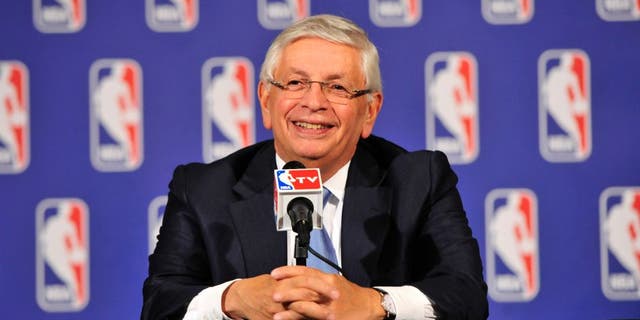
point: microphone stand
(301, 248)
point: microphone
(299, 188)
(298, 203)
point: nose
(315, 97)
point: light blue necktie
(321, 243)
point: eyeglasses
(334, 91)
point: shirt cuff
(410, 303)
(207, 305)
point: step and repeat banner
(536, 103)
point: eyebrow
(306, 75)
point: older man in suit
(395, 219)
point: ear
(371, 113)
(263, 97)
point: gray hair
(331, 28)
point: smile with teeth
(307, 125)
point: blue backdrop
(536, 104)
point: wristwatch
(387, 304)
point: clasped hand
(297, 292)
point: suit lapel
(365, 218)
(263, 248)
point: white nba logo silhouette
(618, 10)
(172, 16)
(452, 99)
(116, 115)
(398, 13)
(228, 106)
(63, 248)
(564, 99)
(279, 14)
(620, 242)
(14, 117)
(62, 17)
(512, 239)
(507, 11)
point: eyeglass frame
(352, 94)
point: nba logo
(452, 105)
(564, 105)
(395, 13)
(620, 242)
(59, 16)
(171, 15)
(512, 244)
(618, 10)
(228, 115)
(116, 115)
(62, 254)
(507, 11)
(14, 117)
(278, 14)
(156, 213)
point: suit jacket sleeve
(178, 268)
(452, 276)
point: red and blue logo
(395, 13)
(618, 10)
(172, 15)
(512, 244)
(62, 254)
(59, 16)
(14, 117)
(156, 213)
(452, 105)
(564, 105)
(298, 179)
(278, 14)
(620, 243)
(228, 112)
(116, 115)
(507, 11)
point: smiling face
(311, 129)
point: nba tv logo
(618, 10)
(14, 117)
(507, 11)
(59, 16)
(116, 115)
(228, 115)
(512, 244)
(452, 105)
(620, 243)
(172, 15)
(62, 254)
(395, 13)
(278, 14)
(564, 105)
(155, 215)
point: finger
(323, 286)
(287, 315)
(293, 271)
(297, 294)
(310, 310)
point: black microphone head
(300, 210)
(294, 165)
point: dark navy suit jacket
(403, 224)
